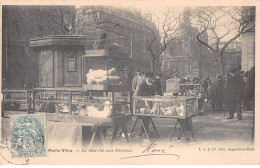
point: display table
(183, 122)
(181, 108)
(93, 128)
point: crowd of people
(233, 94)
(146, 84)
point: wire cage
(17, 100)
(173, 107)
(82, 103)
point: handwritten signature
(152, 149)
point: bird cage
(106, 69)
(170, 107)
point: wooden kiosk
(67, 93)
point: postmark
(28, 136)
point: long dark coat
(249, 88)
(157, 87)
(236, 88)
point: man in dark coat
(249, 89)
(205, 86)
(236, 93)
(157, 85)
(249, 95)
(146, 89)
(219, 93)
(216, 94)
(227, 89)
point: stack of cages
(175, 107)
(106, 81)
(172, 86)
(106, 64)
(18, 100)
(83, 103)
(51, 100)
(189, 90)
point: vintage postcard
(129, 82)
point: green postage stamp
(28, 136)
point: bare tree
(168, 29)
(223, 25)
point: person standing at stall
(219, 93)
(157, 85)
(146, 89)
(227, 93)
(236, 93)
(137, 80)
(205, 86)
(249, 89)
(249, 95)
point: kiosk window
(71, 64)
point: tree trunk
(221, 64)
(200, 70)
(152, 64)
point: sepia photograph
(128, 83)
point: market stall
(180, 108)
(82, 85)
(19, 101)
(186, 86)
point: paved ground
(208, 127)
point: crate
(189, 90)
(172, 85)
(168, 107)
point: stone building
(248, 40)
(128, 23)
(19, 62)
(185, 55)
(232, 56)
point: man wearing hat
(236, 93)
(137, 80)
(126, 78)
(157, 85)
(146, 89)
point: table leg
(114, 135)
(102, 136)
(173, 131)
(157, 134)
(182, 131)
(180, 123)
(146, 131)
(191, 131)
(124, 129)
(134, 127)
(92, 138)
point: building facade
(248, 39)
(130, 24)
(19, 62)
(185, 55)
(232, 56)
